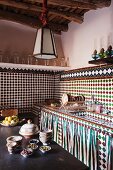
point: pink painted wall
(17, 41)
(94, 33)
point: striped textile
(90, 145)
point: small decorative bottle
(109, 52)
(102, 53)
(95, 55)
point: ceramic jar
(29, 129)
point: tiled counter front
(87, 81)
(89, 142)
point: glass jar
(90, 106)
(98, 108)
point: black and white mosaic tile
(91, 72)
(24, 89)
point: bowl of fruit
(10, 121)
(44, 149)
(32, 146)
(26, 152)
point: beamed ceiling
(60, 12)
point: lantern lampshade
(44, 47)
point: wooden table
(56, 159)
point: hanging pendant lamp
(44, 47)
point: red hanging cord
(44, 13)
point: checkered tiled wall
(22, 90)
(87, 81)
(57, 87)
(102, 89)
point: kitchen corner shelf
(102, 61)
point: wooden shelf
(102, 61)
(33, 67)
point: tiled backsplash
(99, 83)
(102, 89)
(89, 73)
(22, 90)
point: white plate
(64, 99)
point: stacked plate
(45, 136)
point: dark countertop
(56, 159)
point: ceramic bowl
(26, 152)
(32, 146)
(11, 147)
(34, 141)
(11, 144)
(17, 139)
(10, 150)
(44, 149)
(45, 136)
(46, 132)
(45, 141)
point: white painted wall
(94, 33)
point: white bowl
(11, 146)
(46, 133)
(45, 148)
(17, 139)
(32, 146)
(34, 141)
(26, 152)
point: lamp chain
(44, 13)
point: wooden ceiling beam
(101, 3)
(71, 4)
(72, 16)
(98, 3)
(33, 8)
(30, 21)
(82, 4)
